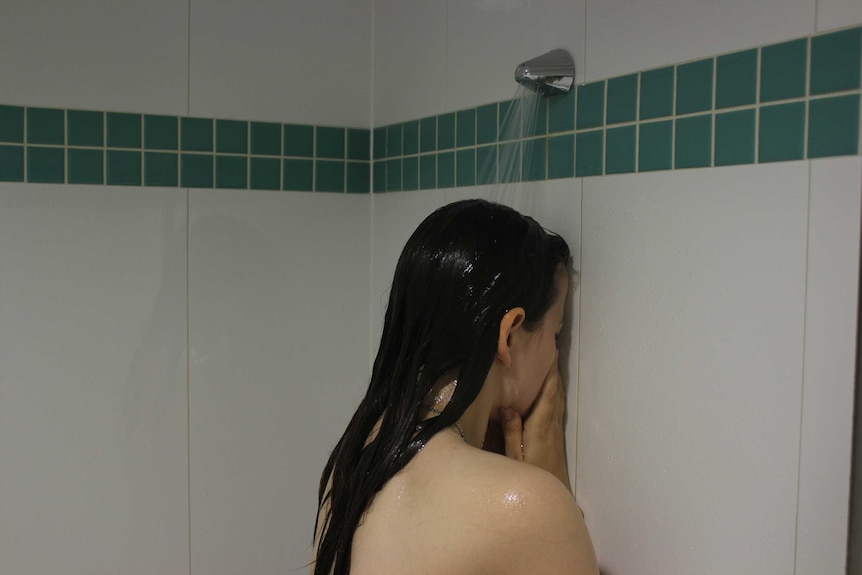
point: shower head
(548, 74)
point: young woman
(468, 347)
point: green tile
(734, 138)
(45, 165)
(446, 131)
(466, 127)
(486, 165)
(265, 173)
(781, 135)
(11, 163)
(393, 175)
(380, 142)
(486, 124)
(45, 126)
(231, 172)
(428, 171)
(12, 124)
(86, 166)
(536, 118)
(123, 168)
(379, 177)
(836, 60)
(694, 86)
(657, 93)
(736, 79)
(410, 173)
(85, 128)
(231, 138)
(465, 163)
(196, 171)
(411, 138)
(509, 162)
(655, 146)
(358, 177)
(393, 140)
(196, 135)
(266, 139)
(161, 133)
(623, 99)
(833, 126)
(358, 144)
(561, 112)
(693, 142)
(591, 105)
(446, 170)
(535, 159)
(124, 131)
(510, 122)
(561, 156)
(298, 175)
(298, 141)
(428, 134)
(621, 150)
(330, 176)
(161, 169)
(588, 153)
(782, 70)
(330, 142)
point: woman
(468, 347)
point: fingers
(513, 433)
(552, 396)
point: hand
(540, 439)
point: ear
(511, 322)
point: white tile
(409, 60)
(630, 35)
(93, 397)
(830, 365)
(838, 14)
(692, 310)
(95, 55)
(487, 39)
(306, 62)
(279, 327)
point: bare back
(459, 510)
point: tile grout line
(806, 113)
(758, 70)
(188, 258)
(714, 112)
(802, 382)
(674, 118)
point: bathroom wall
(168, 383)
(181, 344)
(710, 394)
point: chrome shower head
(548, 74)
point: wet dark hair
(464, 267)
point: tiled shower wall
(758, 105)
(168, 386)
(707, 175)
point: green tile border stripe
(149, 150)
(813, 82)
(820, 72)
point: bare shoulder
(534, 521)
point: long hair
(464, 267)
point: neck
(474, 420)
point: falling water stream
(508, 171)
